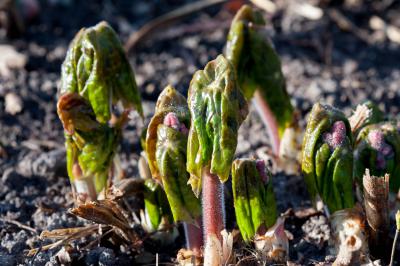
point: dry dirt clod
(13, 103)
(10, 59)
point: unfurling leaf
(166, 144)
(253, 197)
(327, 157)
(217, 108)
(377, 147)
(90, 145)
(96, 67)
(257, 64)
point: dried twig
(166, 20)
(81, 232)
(346, 25)
(19, 224)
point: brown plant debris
(108, 212)
(376, 201)
(349, 240)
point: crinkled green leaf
(89, 143)
(253, 197)
(217, 108)
(258, 65)
(171, 160)
(96, 67)
(365, 155)
(327, 172)
(166, 150)
(170, 100)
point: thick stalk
(213, 216)
(268, 119)
(194, 237)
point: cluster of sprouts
(189, 148)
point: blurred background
(338, 52)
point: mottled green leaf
(253, 197)
(166, 150)
(217, 109)
(89, 143)
(257, 64)
(96, 67)
(326, 163)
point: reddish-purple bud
(337, 135)
(171, 120)
(376, 139)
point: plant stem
(213, 213)
(268, 119)
(394, 248)
(83, 187)
(194, 237)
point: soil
(321, 62)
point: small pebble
(14, 104)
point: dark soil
(320, 61)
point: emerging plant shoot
(327, 157)
(255, 210)
(95, 75)
(377, 147)
(253, 196)
(166, 145)
(259, 72)
(217, 109)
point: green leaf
(217, 108)
(253, 197)
(89, 143)
(96, 67)
(258, 65)
(156, 204)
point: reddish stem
(268, 119)
(213, 207)
(194, 237)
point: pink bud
(337, 135)
(171, 120)
(376, 139)
(384, 151)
